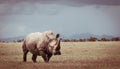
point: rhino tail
(24, 46)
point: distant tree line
(19, 40)
(91, 39)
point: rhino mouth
(57, 53)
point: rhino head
(54, 46)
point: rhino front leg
(34, 57)
(49, 56)
(44, 56)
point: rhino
(43, 44)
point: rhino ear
(49, 35)
(57, 36)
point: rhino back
(32, 40)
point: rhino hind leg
(25, 55)
(25, 51)
(34, 57)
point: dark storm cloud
(98, 2)
(19, 17)
(68, 2)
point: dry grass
(75, 55)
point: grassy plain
(75, 55)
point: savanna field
(75, 55)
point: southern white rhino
(41, 44)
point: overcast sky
(68, 17)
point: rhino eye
(50, 40)
(56, 43)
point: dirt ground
(75, 55)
